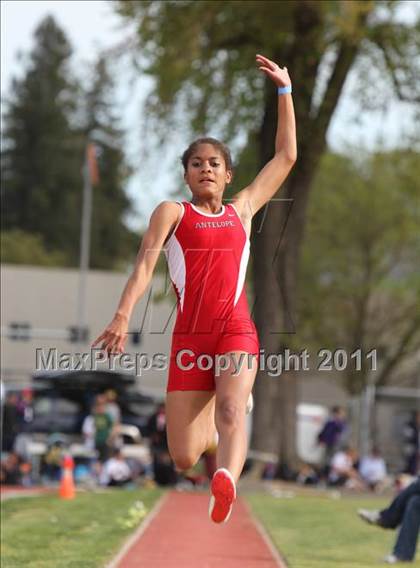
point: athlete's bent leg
(190, 425)
(232, 393)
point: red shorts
(196, 358)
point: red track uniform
(207, 256)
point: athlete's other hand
(278, 75)
(114, 336)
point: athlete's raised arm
(162, 221)
(254, 196)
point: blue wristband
(284, 90)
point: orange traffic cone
(67, 483)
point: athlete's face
(206, 173)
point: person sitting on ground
(115, 471)
(343, 470)
(372, 469)
(307, 475)
(404, 510)
(52, 460)
(15, 470)
(9, 473)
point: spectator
(88, 431)
(52, 461)
(405, 511)
(372, 469)
(163, 467)
(15, 471)
(343, 470)
(411, 444)
(25, 408)
(103, 429)
(10, 425)
(113, 409)
(269, 471)
(112, 406)
(157, 428)
(115, 472)
(10, 472)
(307, 475)
(331, 435)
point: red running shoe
(224, 494)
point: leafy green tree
(48, 120)
(111, 240)
(41, 153)
(18, 247)
(359, 271)
(201, 55)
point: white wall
(47, 298)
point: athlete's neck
(213, 207)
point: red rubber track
(181, 535)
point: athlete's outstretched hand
(278, 75)
(114, 336)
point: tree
(18, 247)
(41, 153)
(48, 120)
(359, 271)
(201, 55)
(111, 240)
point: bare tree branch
(396, 82)
(402, 350)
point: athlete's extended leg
(232, 393)
(233, 387)
(190, 425)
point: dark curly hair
(223, 149)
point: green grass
(318, 532)
(46, 532)
(309, 531)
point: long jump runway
(179, 534)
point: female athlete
(207, 247)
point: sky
(92, 26)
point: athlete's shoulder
(167, 206)
(167, 210)
(165, 216)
